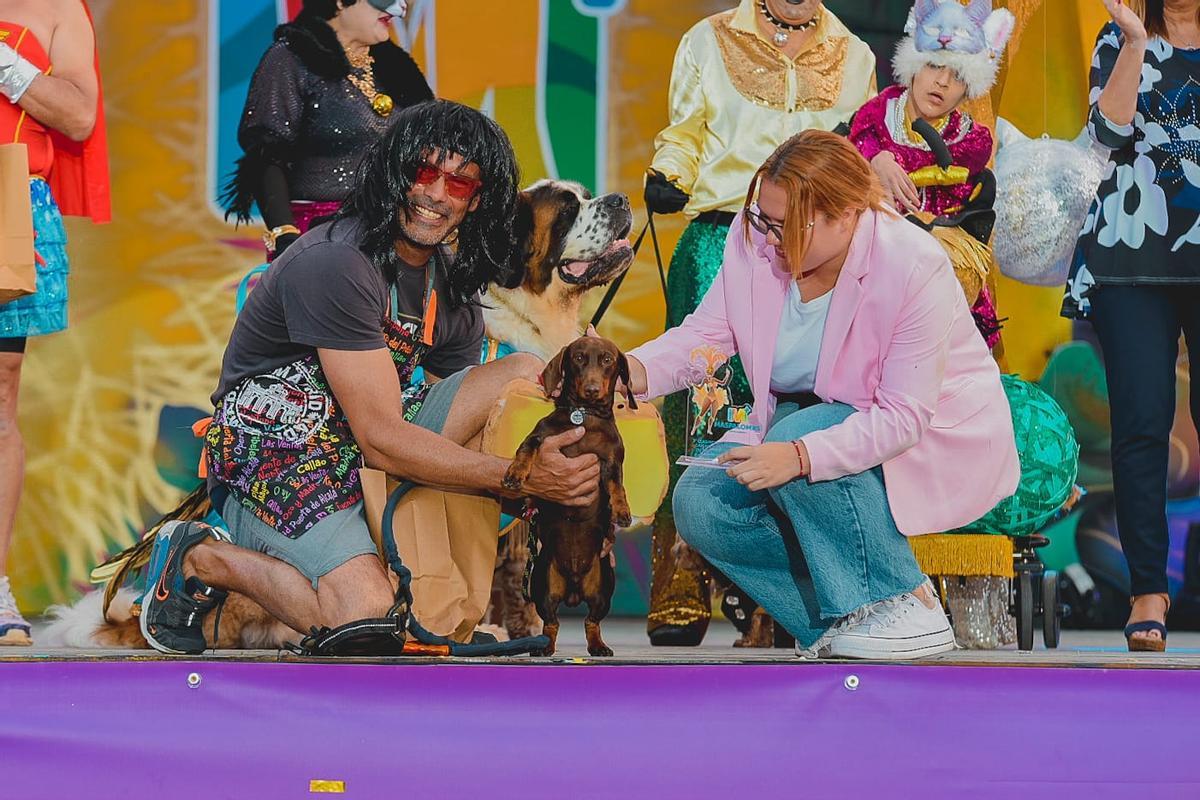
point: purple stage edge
(264, 730)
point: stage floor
(1088, 720)
(627, 637)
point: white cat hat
(968, 38)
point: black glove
(282, 242)
(662, 196)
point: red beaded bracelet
(800, 458)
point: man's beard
(414, 231)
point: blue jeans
(808, 553)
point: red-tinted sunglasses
(460, 187)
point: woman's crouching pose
(878, 414)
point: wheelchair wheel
(1024, 610)
(1051, 609)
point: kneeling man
(317, 382)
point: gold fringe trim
(967, 554)
(971, 259)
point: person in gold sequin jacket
(744, 80)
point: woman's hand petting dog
(555, 477)
(764, 466)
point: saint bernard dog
(568, 242)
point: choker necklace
(783, 29)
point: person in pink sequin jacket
(951, 54)
(970, 148)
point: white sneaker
(821, 648)
(898, 629)
(817, 652)
(13, 627)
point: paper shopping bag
(448, 541)
(18, 275)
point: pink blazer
(899, 346)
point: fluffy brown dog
(572, 566)
(243, 625)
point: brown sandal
(1143, 644)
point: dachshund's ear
(552, 374)
(623, 374)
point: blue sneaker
(173, 609)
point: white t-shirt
(798, 346)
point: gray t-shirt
(324, 292)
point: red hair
(822, 173)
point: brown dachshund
(572, 565)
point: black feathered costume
(305, 125)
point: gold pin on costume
(382, 104)
(362, 75)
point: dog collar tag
(576, 416)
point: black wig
(324, 9)
(385, 177)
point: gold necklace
(362, 75)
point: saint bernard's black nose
(615, 200)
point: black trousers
(1138, 328)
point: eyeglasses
(460, 187)
(767, 226)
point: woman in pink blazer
(878, 410)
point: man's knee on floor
(808, 420)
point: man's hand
(765, 466)
(896, 182)
(559, 479)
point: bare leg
(12, 452)
(356, 590)
(927, 597)
(479, 392)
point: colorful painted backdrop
(580, 85)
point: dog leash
(404, 594)
(616, 285)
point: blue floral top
(1145, 221)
